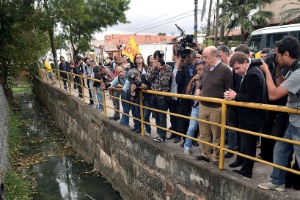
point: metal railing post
(82, 89)
(222, 139)
(104, 103)
(142, 113)
(58, 73)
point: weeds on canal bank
(16, 186)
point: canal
(46, 157)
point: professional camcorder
(132, 78)
(186, 41)
(270, 60)
(132, 65)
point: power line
(152, 23)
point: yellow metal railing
(223, 126)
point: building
(110, 41)
(277, 7)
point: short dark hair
(159, 53)
(238, 57)
(289, 44)
(242, 48)
(162, 62)
(225, 49)
(265, 50)
(85, 59)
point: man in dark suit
(252, 88)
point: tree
(291, 15)
(21, 43)
(80, 19)
(239, 14)
(161, 34)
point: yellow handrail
(222, 125)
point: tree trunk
(222, 28)
(208, 22)
(217, 24)
(51, 35)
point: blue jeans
(136, 112)
(100, 98)
(192, 128)
(147, 113)
(282, 151)
(126, 109)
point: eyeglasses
(199, 69)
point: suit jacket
(68, 69)
(252, 88)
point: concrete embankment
(4, 132)
(136, 166)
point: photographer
(287, 53)
(159, 76)
(137, 82)
(121, 85)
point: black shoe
(177, 139)
(182, 144)
(228, 155)
(138, 131)
(134, 129)
(235, 164)
(202, 158)
(114, 118)
(195, 144)
(171, 137)
(243, 173)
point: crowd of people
(214, 72)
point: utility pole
(196, 21)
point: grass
(16, 186)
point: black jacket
(252, 88)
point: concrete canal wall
(136, 166)
(4, 132)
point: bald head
(119, 71)
(210, 56)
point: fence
(223, 125)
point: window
(254, 44)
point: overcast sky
(154, 16)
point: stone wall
(136, 166)
(4, 130)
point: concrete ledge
(136, 166)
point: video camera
(270, 60)
(132, 79)
(186, 41)
(132, 65)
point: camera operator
(137, 82)
(159, 76)
(183, 77)
(288, 56)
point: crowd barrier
(223, 126)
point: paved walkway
(261, 172)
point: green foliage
(239, 13)
(16, 187)
(21, 43)
(80, 19)
(161, 34)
